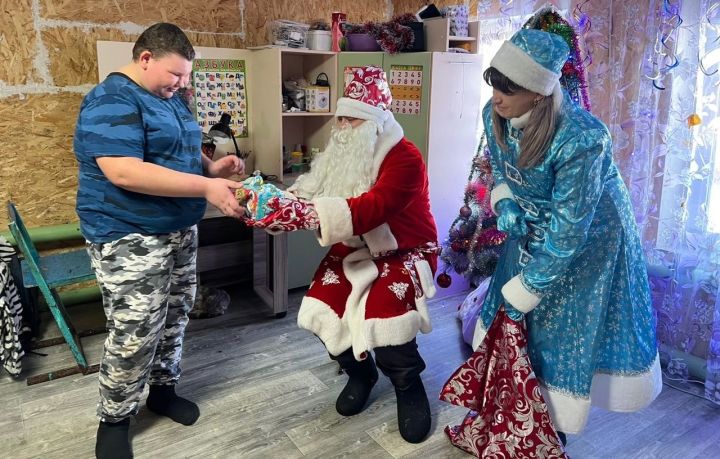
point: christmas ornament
(444, 280)
(694, 120)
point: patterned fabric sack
(508, 417)
(10, 314)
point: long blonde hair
(540, 129)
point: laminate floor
(267, 389)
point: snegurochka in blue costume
(573, 265)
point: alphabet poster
(220, 86)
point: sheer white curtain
(670, 166)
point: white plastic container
(319, 40)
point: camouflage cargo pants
(148, 286)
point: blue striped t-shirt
(120, 118)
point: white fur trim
(392, 133)
(354, 242)
(518, 296)
(521, 121)
(318, 318)
(627, 393)
(611, 392)
(478, 334)
(361, 272)
(523, 70)
(335, 220)
(569, 414)
(380, 239)
(356, 109)
(427, 280)
(393, 331)
(501, 191)
(557, 96)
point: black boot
(562, 437)
(113, 441)
(362, 377)
(413, 410)
(164, 401)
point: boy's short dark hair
(164, 38)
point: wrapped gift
(255, 196)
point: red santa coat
(371, 291)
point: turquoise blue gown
(591, 337)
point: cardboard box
(317, 99)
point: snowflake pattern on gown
(330, 277)
(399, 289)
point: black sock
(163, 401)
(113, 441)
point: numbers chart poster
(220, 86)
(406, 88)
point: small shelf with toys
(438, 38)
(278, 131)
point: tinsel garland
(573, 76)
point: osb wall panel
(215, 40)
(73, 53)
(207, 15)
(39, 172)
(17, 42)
(259, 13)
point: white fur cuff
(501, 191)
(335, 220)
(518, 296)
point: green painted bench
(49, 272)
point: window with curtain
(664, 122)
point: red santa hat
(367, 96)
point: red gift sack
(508, 417)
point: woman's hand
(226, 166)
(510, 218)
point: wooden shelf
(274, 129)
(286, 50)
(438, 38)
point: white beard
(345, 168)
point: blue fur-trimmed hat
(532, 59)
